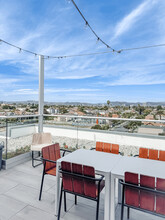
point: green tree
(108, 102)
(159, 107)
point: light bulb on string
(20, 50)
(86, 25)
(98, 39)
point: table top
(141, 166)
(101, 161)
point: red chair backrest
(143, 152)
(115, 149)
(131, 195)
(107, 147)
(160, 199)
(89, 185)
(147, 199)
(153, 154)
(79, 185)
(99, 146)
(51, 152)
(67, 179)
(162, 155)
(78, 182)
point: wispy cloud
(130, 19)
(60, 32)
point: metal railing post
(6, 138)
(41, 93)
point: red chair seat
(51, 171)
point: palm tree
(108, 102)
(160, 113)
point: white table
(103, 164)
(135, 165)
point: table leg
(57, 190)
(107, 196)
(112, 200)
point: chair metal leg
(42, 181)
(122, 205)
(65, 202)
(97, 210)
(59, 209)
(75, 201)
(128, 212)
(33, 158)
(98, 201)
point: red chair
(160, 199)
(80, 180)
(162, 155)
(115, 149)
(107, 147)
(143, 153)
(131, 195)
(143, 196)
(50, 155)
(153, 154)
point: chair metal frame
(97, 199)
(44, 173)
(155, 191)
(33, 152)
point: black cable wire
(87, 23)
(79, 55)
(19, 48)
(144, 47)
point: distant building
(53, 111)
(149, 117)
(115, 116)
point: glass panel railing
(18, 135)
(73, 132)
(124, 125)
(83, 132)
(3, 137)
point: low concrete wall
(16, 160)
(137, 140)
(23, 130)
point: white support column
(41, 93)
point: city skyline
(56, 28)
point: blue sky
(55, 28)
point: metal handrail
(84, 117)
(19, 116)
(104, 118)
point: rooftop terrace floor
(19, 191)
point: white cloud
(129, 20)
(70, 90)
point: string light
(87, 24)
(80, 55)
(98, 39)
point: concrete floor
(19, 191)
